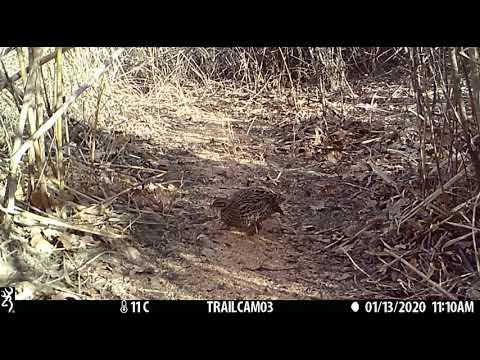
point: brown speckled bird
(246, 209)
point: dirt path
(348, 173)
(324, 247)
(190, 256)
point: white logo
(7, 298)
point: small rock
(65, 296)
(208, 252)
(351, 230)
(24, 291)
(205, 241)
(42, 245)
(133, 254)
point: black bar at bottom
(246, 307)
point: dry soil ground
(210, 144)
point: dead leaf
(66, 241)
(151, 187)
(208, 252)
(97, 210)
(383, 175)
(394, 275)
(40, 200)
(50, 234)
(351, 230)
(320, 205)
(133, 254)
(141, 270)
(35, 232)
(99, 154)
(160, 164)
(88, 218)
(333, 156)
(358, 168)
(88, 240)
(395, 210)
(19, 193)
(473, 292)
(205, 241)
(39, 243)
(340, 134)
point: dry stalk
(112, 198)
(18, 75)
(27, 218)
(20, 149)
(17, 156)
(421, 274)
(477, 257)
(433, 196)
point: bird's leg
(262, 239)
(222, 226)
(252, 230)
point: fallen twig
(26, 218)
(433, 196)
(425, 277)
(477, 258)
(79, 268)
(383, 176)
(354, 263)
(112, 198)
(261, 267)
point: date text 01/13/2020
(386, 307)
